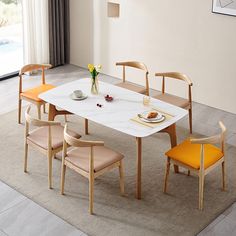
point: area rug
(156, 214)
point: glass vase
(94, 85)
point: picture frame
(226, 7)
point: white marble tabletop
(116, 114)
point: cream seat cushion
(172, 99)
(40, 136)
(133, 87)
(103, 157)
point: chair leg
(122, 184)
(19, 111)
(166, 174)
(39, 111)
(63, 173)
(190, 120)
(50, 157)
(188, 172)
(65, 118)
(91, 186)
(201, 191)
(44, 108)
(223, 176)
(26, 157)
(86, 126)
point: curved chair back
(220, 138)
(74, 142)
(175, 75)
(137, 65)
(36, 122)
(33, 67)
(134, 64)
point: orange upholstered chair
(132, 86)
(199, 156)
(31, 95)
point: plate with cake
(151, 117)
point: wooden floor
(205, 122)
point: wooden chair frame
(50, 152)
(30, 68)
(202, 172)
(91, 175)
(185, 78)
(137, 65)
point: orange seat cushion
(34, 92)
(190, 154)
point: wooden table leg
(86, 126)
(171, 130)
(52, 112)
(139, 167)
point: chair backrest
(36, 122)
(137, 65)
(75, 142)
(33, 67)
(30, 68)
(220, 139)
(39, 123)
(178, 76)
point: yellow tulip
(90, 67)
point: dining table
(120, 114)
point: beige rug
(156, 214)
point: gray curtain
(59, 32)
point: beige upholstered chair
(199, 156)
(132, 86)
(175, 100)
(90, 159)
(31, 95)
(47, 138)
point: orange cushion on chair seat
(133, 87)
(172, 99)
(40, 136)
(190, 154)
(103, 157)
(34, 92)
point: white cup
(78, 93)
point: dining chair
(175, 100)
(132, 86)
(31, 95)
(90, 159)
(47, 138)
(199, 156)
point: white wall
(167, 35)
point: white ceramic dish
(73, 97)
(160, 117)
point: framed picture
(227, 7)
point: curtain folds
(35, 31)
(59, 32)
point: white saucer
(73, 97)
